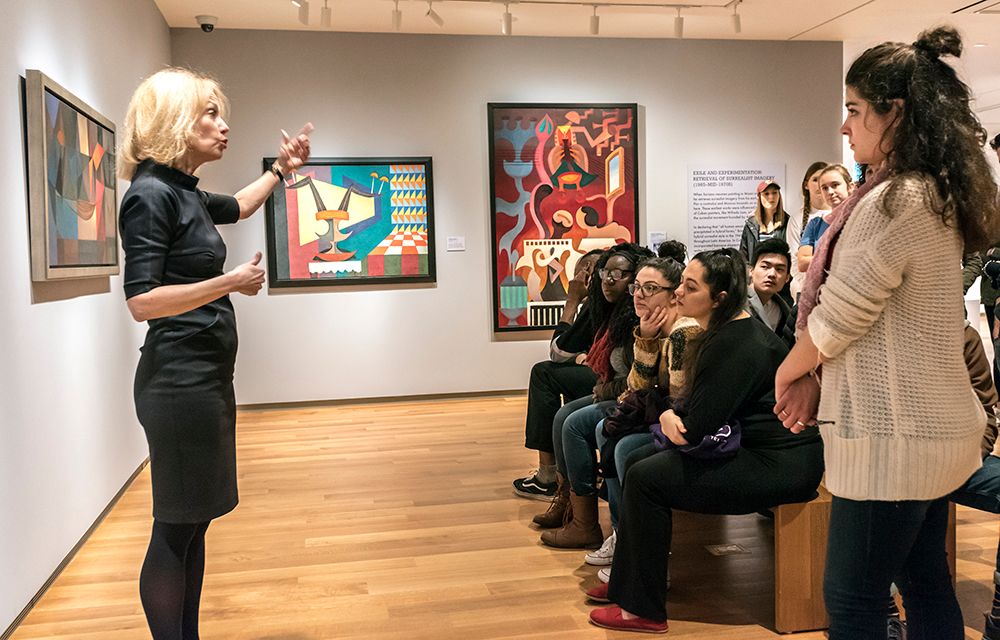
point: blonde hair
(161, 117)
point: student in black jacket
(561, 378)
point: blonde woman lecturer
(174, 280)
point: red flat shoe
(611, 618)
(598, 593)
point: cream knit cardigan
(898, 415)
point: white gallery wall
(701, 102)
(69, 438)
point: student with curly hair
(610, 357)
(900, 422)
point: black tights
(171, 577)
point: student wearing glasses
(660, 342)
(610, 357)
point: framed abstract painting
(349, 221)
(72, 188)
(563, 181)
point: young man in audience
(561, 378)
(769, 273)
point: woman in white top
(813, 205)
(900, 422)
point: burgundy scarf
(599, 356)
(819, 268)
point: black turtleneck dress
(183, 390)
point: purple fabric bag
(724, 443)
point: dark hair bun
(940, 41)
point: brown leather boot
(583, 531)
(558, 509)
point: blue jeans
(625, 446)
(871, 545)
(580, 448)
(557, 428)
(982, 490)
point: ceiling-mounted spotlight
(595, 23)
(326, 16)
(297, 3)
(737, 25)
(303, 6)
(397, 17)
(433, 15)
(506, 21)
(679, 24)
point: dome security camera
(207, 23)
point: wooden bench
(800, 532)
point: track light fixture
(433, 15)
(506, 21)
(303, 6)
(397, 17)
(679, 24)
(595, 23)
(326, 15)
(737, 25)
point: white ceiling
(857, 23)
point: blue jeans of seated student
(580, 447)
(625, 446)
(557, 428)
(982, 490)
(871, 545)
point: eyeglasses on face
(613, 274)
(648, 289)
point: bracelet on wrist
(277, 172)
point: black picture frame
(411, 186)
(630, 165)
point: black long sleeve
(734, 379)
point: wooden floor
(396, 520)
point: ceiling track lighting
(507, 19)
(326, 15)
(397, 17)
(303, 6)
(433, 15)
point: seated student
(982, 490)
(660, 341)
(674, 249)
(558, 379)
(729, 380)
(653, 293)
(610, 356)
(768, 276)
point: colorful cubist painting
(72, 183)
(562, 182)
(352, 221)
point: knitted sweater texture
(898, 414)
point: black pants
(873, 544)
(655, 485)
(550, 385)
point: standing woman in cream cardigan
(900, 422)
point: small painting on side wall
(344, 221)
(72, 187)
(563, 181)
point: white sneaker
(604, 575)
(603, 556)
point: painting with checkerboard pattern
(352, 221)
